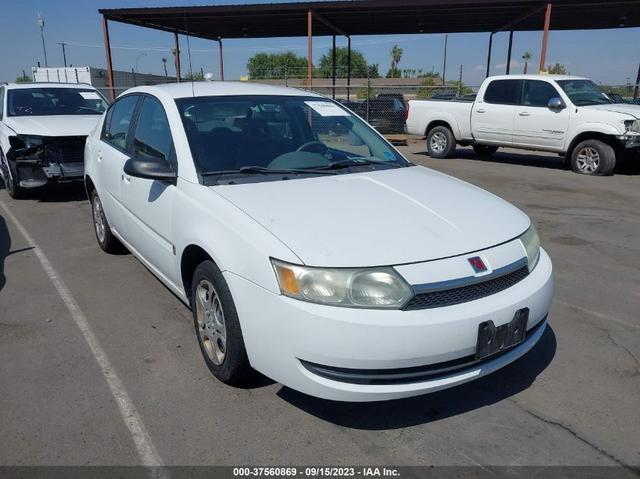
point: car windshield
(259, 135)
(54, 101)
(584, 92)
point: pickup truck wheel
(593, 157)
(217, 325)
(440, 142)
(485, 150)
(106, 240)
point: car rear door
(111, 154)
(148, 203)
(492, 116)
(535, 124)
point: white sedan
(308, 248)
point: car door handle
(524, 113)
(481, 111)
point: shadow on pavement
(5, 247)
(488, 390)
(62, 193)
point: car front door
(492, 116)
(535, 124)
(111, 155)
(148, 204)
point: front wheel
(440, 142)
(217, 325)
(10, 182)
(593, 157)
(485, 150)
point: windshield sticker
(326, 108)
(89, 95)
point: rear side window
(153, 135)
(503, 92)
(118, 120)
(538, 93)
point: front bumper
(35, 176)
(280, 332)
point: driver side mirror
(556, 103)
(152, 169)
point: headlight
(23, 141)
(347, 287)
(632, 126)
(531, 242)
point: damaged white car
(43, 128)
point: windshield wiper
(357, 161)
(247, 170)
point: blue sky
(607, 56)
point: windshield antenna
(186, 27)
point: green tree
(557, 69)
(396, 56)
(373, 71)
(24, 78)
(263, 66)
(358, 64)
(366, 92)
(195, 76)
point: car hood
(385, 217)
(54, 125)
(633, 110)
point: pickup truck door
(536, 125)
(149, 203)
(492, 116)
(111, 154)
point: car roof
(16, 86)
(536, 77)
(187, 89)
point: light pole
(44, 47)
(64, 53)
(138, 58)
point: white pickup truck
(564, 114)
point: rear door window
(503, 92)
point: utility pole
(44, 47)
(444, 66)
(635, 89)
(64, 53)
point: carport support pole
(635, 89)
(333, 69)
(509, 52)
(348, 68)
(309, 49)
(489, 54)
(177, 55)
(545, 37)
(221, 59)
(107, 49)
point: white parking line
(146, 449)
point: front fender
(590, 127)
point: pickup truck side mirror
(556, 103)
(151, 169)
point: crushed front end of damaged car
(36, 160)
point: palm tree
(396, 55)
(164, 65)
(526, 57)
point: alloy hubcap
(212, 330)
(588, 160)
(98, 220)
(438, 142)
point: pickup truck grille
(464, 294)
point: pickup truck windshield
(54, 101)
(584, 92)
(266, 136)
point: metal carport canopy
(378, 17)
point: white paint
(146, 449)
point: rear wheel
(593, 157)
(440, 142)
(217, 325)
(485, 150)
(106, 240)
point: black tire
(106, 240)
(440, 142)
(233, 367)
(593, 157)
(10, 182)
(485, 150)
